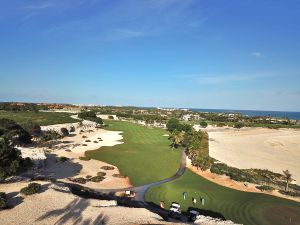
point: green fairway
(42, 118)
(145, 155)
(240, 207)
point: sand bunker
(262, 148)
(85, 138)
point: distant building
(190, 117)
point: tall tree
(176, 139)
(288, 178)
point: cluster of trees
(174, 124)
(195, 142)
(149, 118)
(90, 115)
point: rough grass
(240, 207)
(145, 155)
(42, 118)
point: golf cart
(192, 215)
(175, 211)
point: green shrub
(3, 200)
(84, 145)
(12, 131)
(107, 167)
(85, 158)
(101, 174)
(119, 176)
(11, 161)
(90, 115)
(204, 162)
(87, 140)
(97, 179)
(31, 189)
(84, 136)
(62, 159)
(79, 180)
(232, 172)
(290, 193)
(203, 124)
(238, 125)
(265, 188)
(50, 135)
(32, 128)
(64, 131)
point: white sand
(262, 148)
(58, 206)
(76, 167)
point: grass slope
(42, 118)
(240, 207)
(145, 155)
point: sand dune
(262, 148)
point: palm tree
(176, 138)
(288, 178)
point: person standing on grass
(194, 200)
(202, 200)
(184, 195)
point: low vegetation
(14, 132)
(11, 161)
(97, 179)
(64, 131)
(203, 124)
(102, 174)
(50, 135)
(62, 159)
(31, 189)
(119, 175)
(107, 167)
(85, 158)
(3, 201)
(91, 116)
(265, 188)
(40, 118)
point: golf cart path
(140, 191)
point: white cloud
(37, 7)
(258, 54)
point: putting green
(240, 207)
(145, 156)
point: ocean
(275, 114)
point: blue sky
(237, 54)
